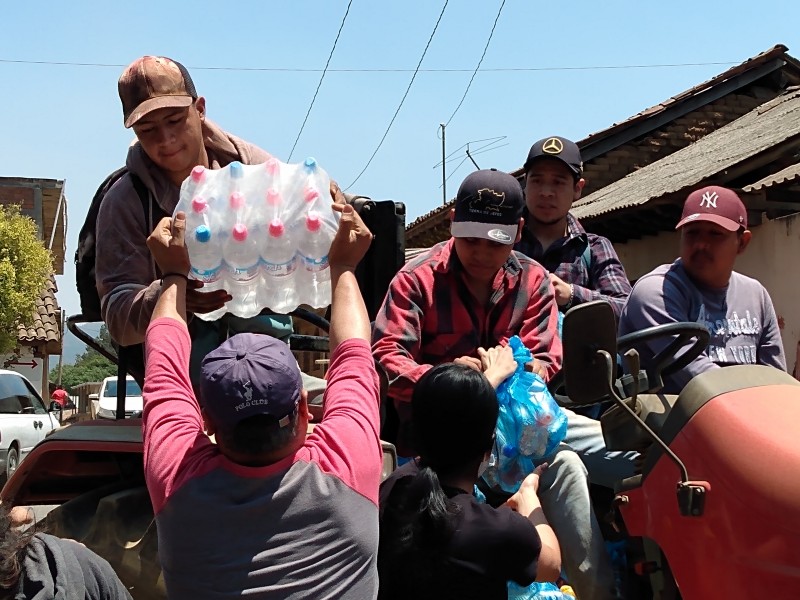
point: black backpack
(86, 255)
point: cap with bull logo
(489, 205)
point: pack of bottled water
(262, 233)
(530, 425)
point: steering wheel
(665, 361)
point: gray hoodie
(59, 569)
(127, 281)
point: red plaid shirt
(429, 317)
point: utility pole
(61, 356)
(444, 175)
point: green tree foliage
(89, 366)
(25, 268)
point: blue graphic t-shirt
(740, 318)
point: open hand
(469, 361)
(525, 499)
(200, 302)
(166, 244)
(498, 364)
(352, 239)
(336, 193)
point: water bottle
(279, 265)
(241, 255)
(311, 184)
(313, 246)
(205, 255)
(532, 436)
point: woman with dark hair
(436, 539)
(38, 566)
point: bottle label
(244, 273)
(315, 264)
(205, 275)
(280, 269)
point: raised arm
(166, 243)
(349, 317)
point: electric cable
(319, 85)
(403, 99)
(478, 66)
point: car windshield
(132, 389)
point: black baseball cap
(560, 148)
(489, 205)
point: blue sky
(64, 121)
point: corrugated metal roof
(790, 173)
(762, 128)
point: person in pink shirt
(60, 395)
(266, 511)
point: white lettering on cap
(709, 200)
(499, 235)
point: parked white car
(24, 420)
(104, 403)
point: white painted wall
(772, 258)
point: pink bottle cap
(273, 166)
(199, 174)
(273, 197)
(310, 194)
(236, 200)
(313, 221)
(240, 232)
(276, 228)
(199, 204)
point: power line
(384, 70)
(319, 85)
(490, 141)
(403, 99)
(478, 66)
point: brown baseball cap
(153, 82)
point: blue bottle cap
(310, 163)
(236, 169)
(202, 234)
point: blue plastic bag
(536, 591)
(530, 425)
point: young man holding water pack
(161, 105)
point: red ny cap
(715, 204)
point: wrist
(342, 269)
(571, 296)
(174, 277)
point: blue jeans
(585, 437)
(564, 492)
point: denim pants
(564, 493)
(585, 437)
